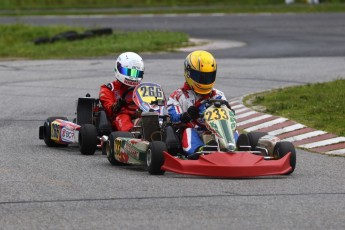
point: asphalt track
(43, 188)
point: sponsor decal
(67, 135)
(130, 82)
(130, 150)
(55, 131)
(123, 157)
(120, 153)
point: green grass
(321, 105)
(44, 7)
(16, 41)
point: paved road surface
(43, 188)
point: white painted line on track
(194, 15)
(254, 119)
(146, 15)
(170, 15)
(305, 136)
(336, 152)
(241, 110)
(218, 14)
(266, 124)
(235, 102)
(237, 107)
(246, 114)
(286, 129)
(236, 99)
(323, 143)
(206, 44)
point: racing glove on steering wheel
(192, 113)
(116, 107)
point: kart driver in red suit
(129, 71)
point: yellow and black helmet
(200, 70)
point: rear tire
(155, 157)
(282, 148)
(88, 139)
(47, 132)
(110, 152)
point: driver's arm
(107, 99)
(174, 107)
(174, 110)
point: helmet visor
(202, 77)
(130, 72)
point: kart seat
(172, 141)
(103, 124)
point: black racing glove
(185, 117)
(193, 112)
(118, 105)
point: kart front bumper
(228, 165)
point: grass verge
(16, 41)
(320, 106)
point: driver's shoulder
(110, 86)
(218, 94)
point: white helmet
(129, 68)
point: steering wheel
(124, 94)
(216, 102)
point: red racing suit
(179, 101)
(109, 95)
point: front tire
(281, 149)
(109, 147)
(254, 137)
(47, 132)
(243, 142)
(155, 157)
(88, 139)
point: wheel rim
(148, 157)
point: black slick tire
(282, 148)
(254, 137)
(88, 139)
(242, 141)
(155, 157)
